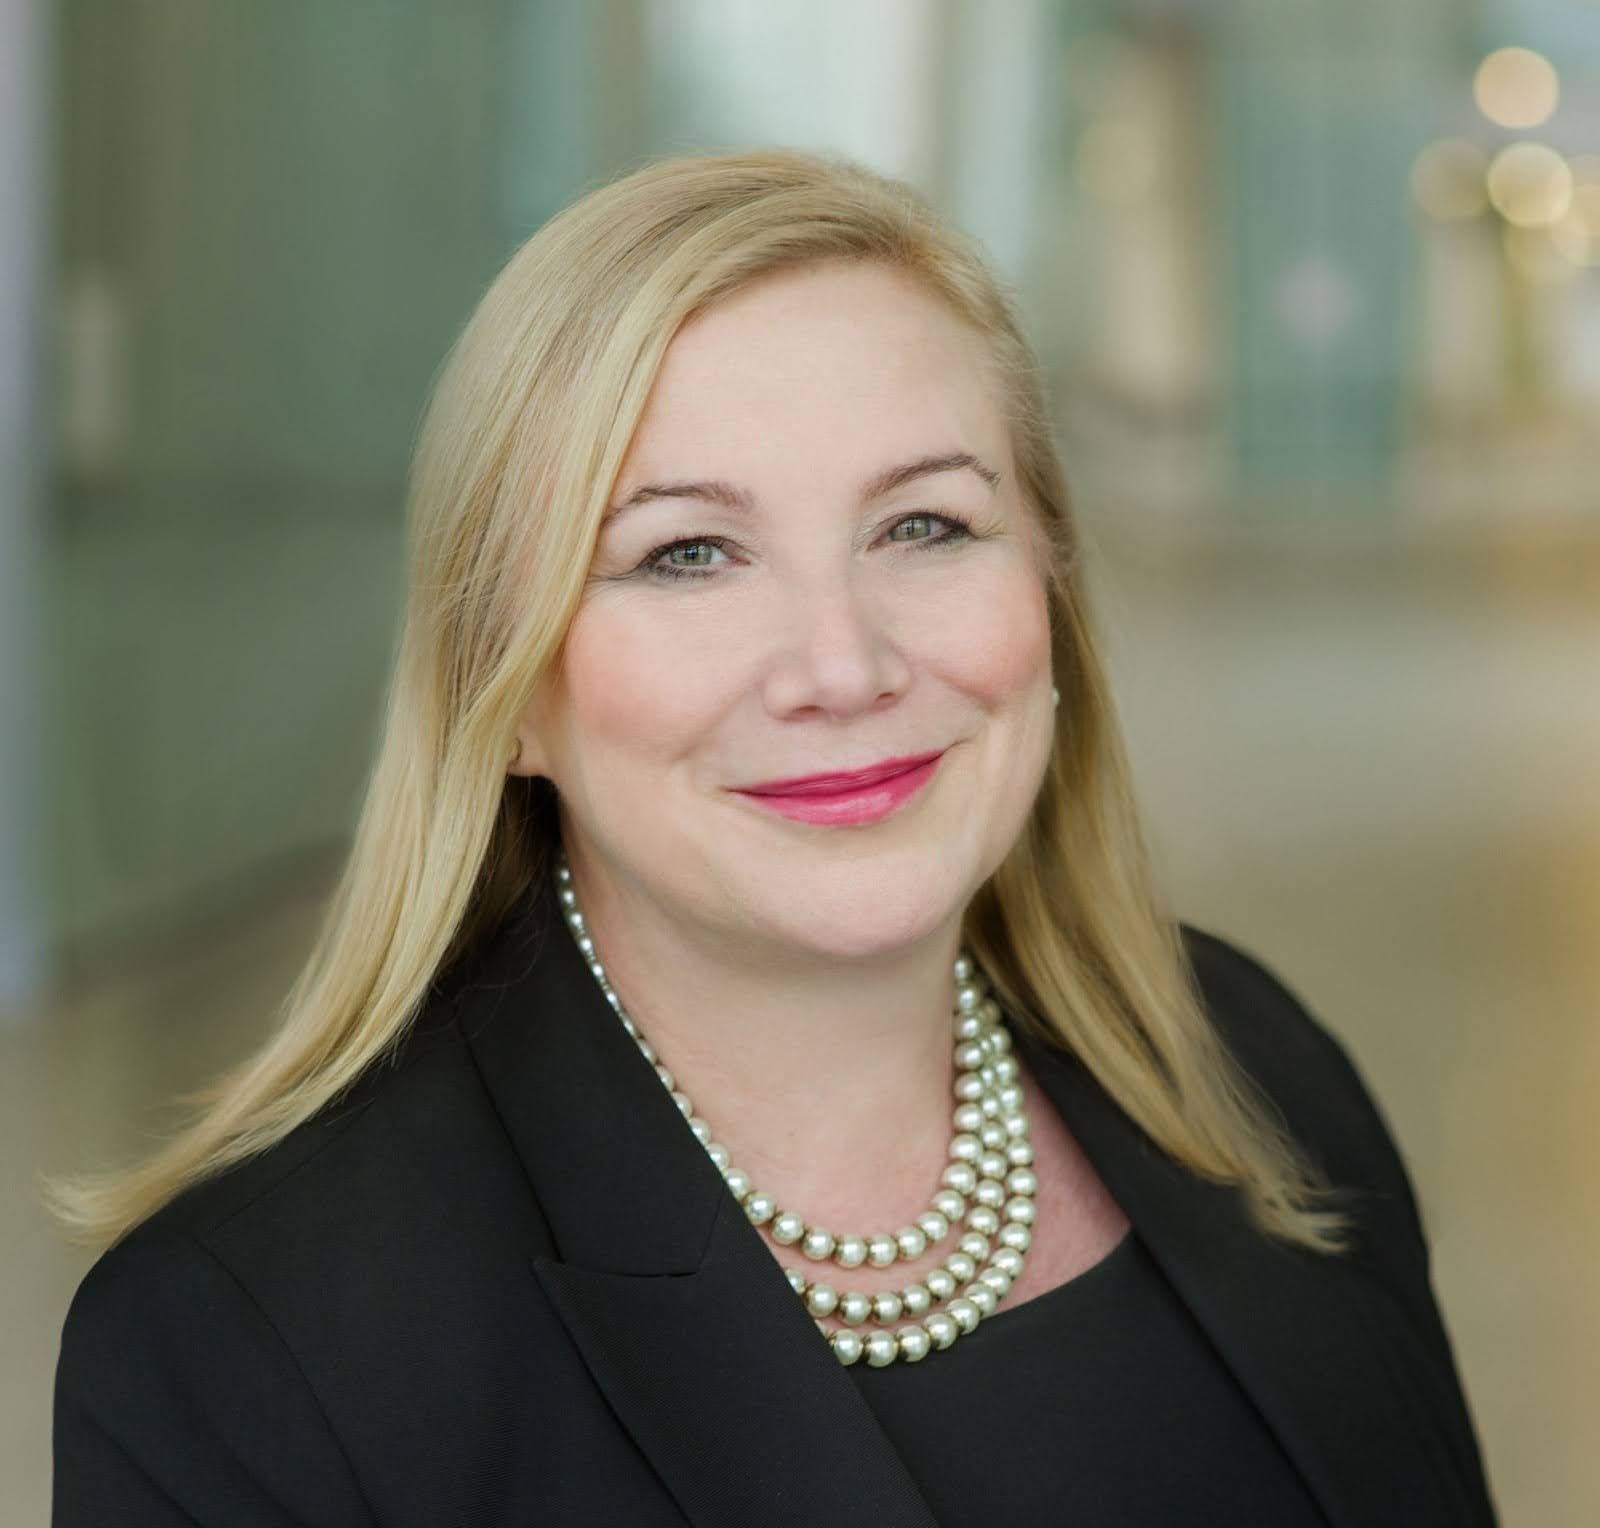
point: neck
(828, 1080)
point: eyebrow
(731, 497)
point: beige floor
(1379, 769)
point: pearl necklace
(988, 1188)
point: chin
(859, 910)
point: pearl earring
(1055, 696)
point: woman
(747, 1076)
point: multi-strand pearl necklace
(987, 1189)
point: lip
(855, 805)
(840, 784)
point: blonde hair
(529, 421)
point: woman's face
(782, 593)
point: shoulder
(1311, 1078)
(364, 1183)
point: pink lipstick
(857, 796)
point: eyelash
(960, 530)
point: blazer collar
(701, 1348)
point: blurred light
(1447, 179)
(1516, 87)
(1530, 184)
(1577, 235)
(1534, 254)
(1118, 161)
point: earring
(517, 753)
(1055, 697)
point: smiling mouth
(843, 784)
(853, 806)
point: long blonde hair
(529, 421)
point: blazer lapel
(1317, 1343)
(724, 1382)
(683, 1317)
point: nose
(836, 652)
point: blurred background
(1317, 284)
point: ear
(525, 754)
(527, 757)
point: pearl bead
(668, 1081)
(887, 1306)
(961, 1176)
(1016, 1125)
(1008, 1260)
(1005, 1068)
(963, 968)
(1019, 1153)
(976, 1246)
(961, 1266)
(913, 1343)
(882, 1250)
(817, 1244)
(969, 1026)
(847, 1346)
(797, 1280)
(942, 1328)
(760, 1208)
(968, 1087)
(941, 1283)
(965, 1314)
(990, 1193)
(999, 1041)
(993, 1164)
(702, 1131)
(1010, 1097)
(682, 1101)
(968, 1117)
(1015, 1235)
(854, 1307)
(911, 1242)
(717, 1152)
(882, 1349)
(965, 1148)
(934, 1225)
(916, 1299)
(788, 1228)
(993, 1134)
(983, 1297)
(971, 1055)
(821, 1299)
(984, 1221)
(950, 1204)
(646, 1050)
(996, 1279)
(1020, 1180)
(1020, 1210)
(738, 1182)
(850, 1251)
(968, 997)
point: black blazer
(499, 1282)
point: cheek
(995, 640)
(633, 687)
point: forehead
(850, 349)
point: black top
(1117, 1411)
